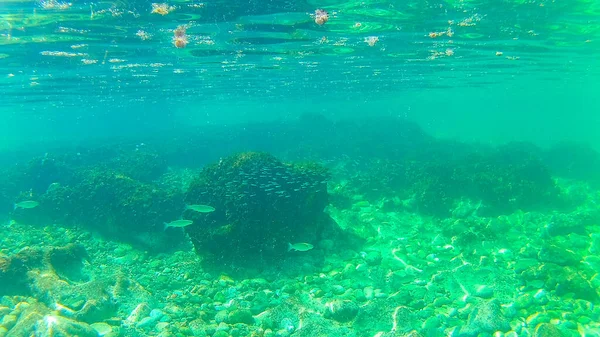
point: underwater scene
(310, 168)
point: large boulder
(261, 205)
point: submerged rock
(315, 325)
(548, 330)
(342, 310)
(102, 328)
(35, 319)
(241, 230)
(562, 224)
(561, 256)
(58, 326)
(383, 314)
(486, 317)
(13, 276)
(484, 291)
(240, 316)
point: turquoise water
(394, 168)
(269, 60)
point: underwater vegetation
(118, 196)
(502, 180)
(126, 189)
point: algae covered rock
(548, 330)
(555, 254)
(316, 325)
(383, 314)
(341, 310)
(58, 326)
(111, 202)
(486, 317)
(261, 205)
(35, 319)
(240, 316)
(475, 181)
(13, 276)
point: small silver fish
(200, 208)
(178, 223)
(300, 247)
(27, 204)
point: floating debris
(143, 35)
(300, 247)
(62, 54)
(200, 208)
(371, 40)
(27, 204)
(321, 17)
(180, 39)
(53, 4)
(178, 223)
(162, 9)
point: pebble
(511, 334)
(362, 268)
(360, 295)
(221, 316)
(240, 316)
(145, 322)
(282, 333)
(524, 301)
(441, 301)
(338, 289)
(156, 314)
(537, 318)
(9, 321)
(235, 332)
(484, 292)
(373, 258)
(161, 326)
(223, 327)
(342, 310)
(369, 293)
(318, 293)
(547, 330)
(219, 297)
(583, 320)
(380, 294)
(287, 324)
(510, 311)
(432, 323)
(197, 328)
(102, 328)
(541, 297)
(220, 333)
